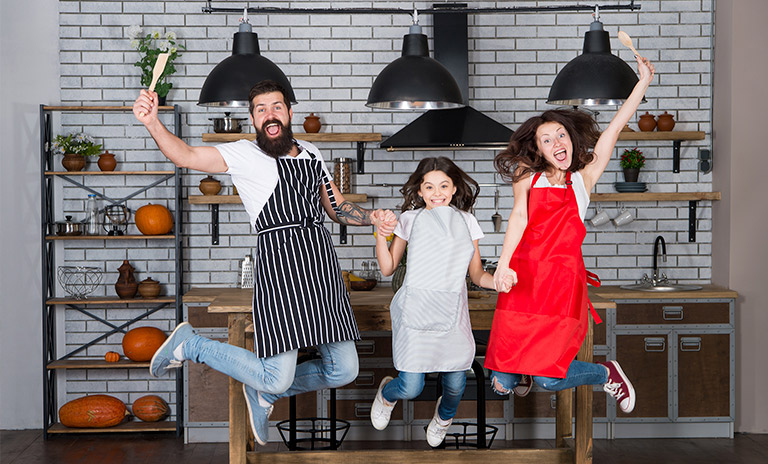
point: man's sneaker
(619, 386)
(436, 431)
(380, 410)
(524, 386)
(163, 360)
(258, 415)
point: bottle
(92, 216)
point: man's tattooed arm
(352, 215)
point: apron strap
(593, 280)
(326, 181)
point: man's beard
(275, 146)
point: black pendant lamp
(596, 77)
(230, 81)
(415, 81)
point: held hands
(145, 106)
(385, 222)
(646, 69)
(504, 279)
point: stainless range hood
(452, 129)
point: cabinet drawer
(672, 313)
(361, 410)
(369, 378)
(467, 410)
(374, 347)
(543, 404)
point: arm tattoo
(352, 215)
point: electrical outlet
(705, 160)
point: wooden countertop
(613, 292)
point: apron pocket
(430, 310)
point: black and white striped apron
(299, 297)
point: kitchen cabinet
(95, 324)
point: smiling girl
(431, 331)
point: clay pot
(73, 162)
(647, 122)
(666, 122)
(126, 285)
(107, 161)
(312, 123)
(149, 288)
(210, 186)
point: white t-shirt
(582, 196)
(405, 224)
(254, 173)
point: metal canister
(342, 174)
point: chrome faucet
(655, 278)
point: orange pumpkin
(150, 408)
(112, 356)
(140, 344)
(153, 219)
(92, 412)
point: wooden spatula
(157, 71)
(626, 40)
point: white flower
(135, 44)
(170, 35)
(173, 50)
(155, 35)
(164, 46)
(134, 32)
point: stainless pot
(69, 227)
(227, 124)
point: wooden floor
(28, 447)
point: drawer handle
(690, 343)
(362, 410)
(365, 379)
(672, 313)
(553, 401)
(366, 347)
(655, 344)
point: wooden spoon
(626, 40)
(157, 71)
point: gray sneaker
(258, 415)
(163, 359)
(435, 431)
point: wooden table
(371, 310)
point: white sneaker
(380, 410)
(436, 431)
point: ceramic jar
(107, 161)
(210, 186)
(149, 288)
(666, 122)
(312, 123)
(647, 122)
(126, 285)
(73, 162)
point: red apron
(539, 326)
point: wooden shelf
(235, 199)
(132, 427)
(650, 196)
(96, 364)
(109, 237)
(317, 137)
(108, 300)
(664, 135)
(99, 108)
(107, 173)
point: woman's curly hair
(522, 158)
(466, 187)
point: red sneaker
(619, 386)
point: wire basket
(79, 281)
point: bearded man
(299, 297)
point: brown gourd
(140, 344)
(150, 408)
(93, 411)
(153, 219)
(112, 356)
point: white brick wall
(332, 61)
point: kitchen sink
(665, 287)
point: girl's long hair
(521, 157)
(466, 187)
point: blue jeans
(408, 385)
(579, 373)
(278, 376)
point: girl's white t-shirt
(254, 173)
(582, 196)
(406, 219)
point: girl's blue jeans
(408, 385)
(579, 373)
(278, 376)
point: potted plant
(149, 47)
(75, 147)
(631, 162)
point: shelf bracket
(676, 156)
(692, 220)
(214, 224)
(343, 234)
(360, 158)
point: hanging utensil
(496, 218)
(157, 71)
(626, 40)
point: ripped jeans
(579, 373)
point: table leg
(583, 451)
(238, 426)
